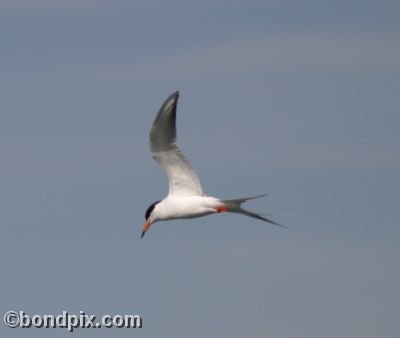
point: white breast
(173, 207)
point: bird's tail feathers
(238, 201)
(234, 205)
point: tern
(185, 198)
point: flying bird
(185, 198)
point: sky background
(298, 99)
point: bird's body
(175, 207)
(185, 198)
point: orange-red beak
(146, 227)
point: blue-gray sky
(299, 99)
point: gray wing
(183, 180)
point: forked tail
(234, 205)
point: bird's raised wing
(183, 180)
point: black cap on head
(150, 210)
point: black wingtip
(171, 101)
(174, 95)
